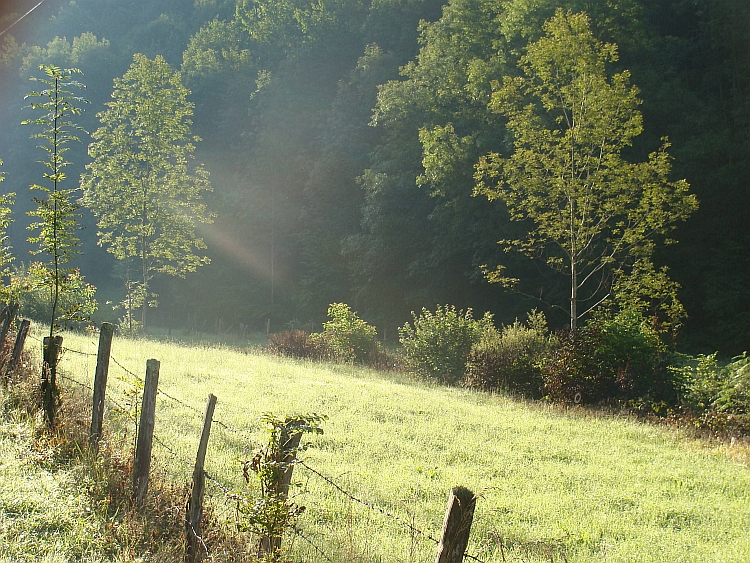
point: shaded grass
(556, 485)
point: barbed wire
(368, 504)
(122, 367)
(299, 533)
(178, 401)
(238, 433)
(84, 385)
(171, 451)
(66, 349)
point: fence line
(227, 491)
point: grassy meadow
(555, 484)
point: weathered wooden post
(7, 316)
(195, 505)
(50, 353)
(457, 526)
(15, 356)
(142, 462)
(100, 384)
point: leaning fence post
(100, 384)
(15, 356)
(457, 525)
(195, 505)
(7, 317)
(50, 352)
(142, 462)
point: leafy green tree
(57, 210)
(140, 185)
(591, 214)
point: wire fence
(227, 492)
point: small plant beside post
(457, 526)
(100, 384)
(271, 516)
(142, 462)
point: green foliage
(57, 210)
(33, 288)
(347, 337)
(719, 394)
(84, 49)
(272, 514)
(617, 356)
(438, 344)
(6, 257)
(147, 199)
(591, 213)
(511, 359)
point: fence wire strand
(368, 504)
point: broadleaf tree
(141, 184)
(57, 210)
(592, 215)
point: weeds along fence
(139, 398)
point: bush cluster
(345, 338)
(718, 395)
(439, 343)
(511, 358)
(619, 357)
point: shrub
(346, 337)
(294, 343)
(438, 344)
(511, 359)
(612, 357)
(719, 395)
(34, 292)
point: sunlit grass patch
(555, 484)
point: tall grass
(555, 485)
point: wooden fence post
(142, 462)
(7, 317)
(15, 356)
(195, 505)
(457, 525)
(50, 353)
(100, 384)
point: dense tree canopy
(342, 137)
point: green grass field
(555, 485)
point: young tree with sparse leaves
(592, 215)
(141, 186)
(6, 200)
(57, 211)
